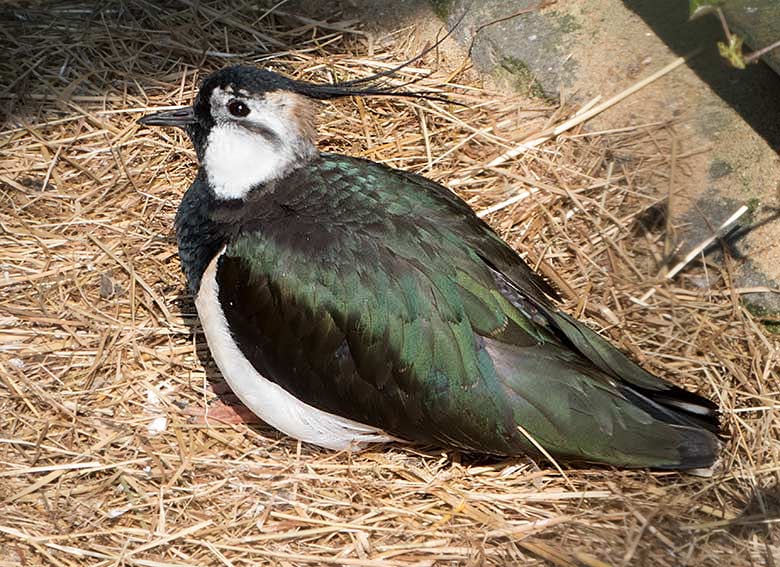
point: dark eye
(237, 108)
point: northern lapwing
(346, 302)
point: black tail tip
(699, 449)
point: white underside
(269, 401)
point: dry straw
(102, 362)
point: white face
(255, 139)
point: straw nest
(103, 367)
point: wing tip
(691, 408)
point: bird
(348, 303)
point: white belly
(269, 401)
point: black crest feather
(255, 80)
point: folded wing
(389, 302)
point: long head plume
(374, 85)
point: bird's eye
(237, 108)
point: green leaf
(732, 52)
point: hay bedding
(102, 361)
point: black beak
(180, 117)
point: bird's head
(250, 126)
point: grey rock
(758, 22)
(522, 46)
